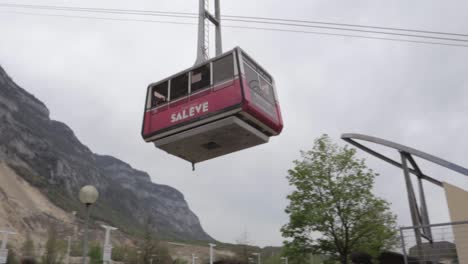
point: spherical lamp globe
(88, 194)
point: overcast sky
(92, 75)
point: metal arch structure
(350, 138)
(419, 213)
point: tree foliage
(332, 210)
(151, 247)
(28, 248)
(273, 259)
(244, 250)
(180, 261)
(76, 248)
(12, 256)
(52, 253)
(119, 253)
(95, 253)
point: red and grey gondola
(223, 105)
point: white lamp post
(285, 260)
(193, 258)
(259, 257)
(211, 252)
(88, 196)
(107, 254)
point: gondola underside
(211, 140)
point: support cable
(248, 19)
(241, 27)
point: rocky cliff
(49, 157)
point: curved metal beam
(350, 137)
(393, 162)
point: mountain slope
(47, 154)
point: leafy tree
(180, 261)
(130, 255)
(244, 251)
(272, 255)
(163, 256)
(76, 249)
(151, 247)
(28, 247)
(332, 210)
(95, 253)
(12, 257)
(52, 247)
(274, 259)
(149, 243)
(119, 253)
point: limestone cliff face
(48, 155)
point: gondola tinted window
(179, 86)
(252, 78)
(266, 90)
(201, 78)
(256, 68)
(258, 84)
(261, 91)
(159, 94)
(223, 69)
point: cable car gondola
(224, 105)
(219, 106)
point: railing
(449, 244)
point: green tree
(76, 249)
(180, 261)
(130, 255)
(149, 243)
(12, 257)
(52, 247)
(332, 210)
(151, 247)
(274, 259)
(162, 253)
(95, 253)
(28, 247)
(119, 253)
(244, 249)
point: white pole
(211, 253)
(68, 249)
(258, 256)
(107, 254)
(107, 237)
